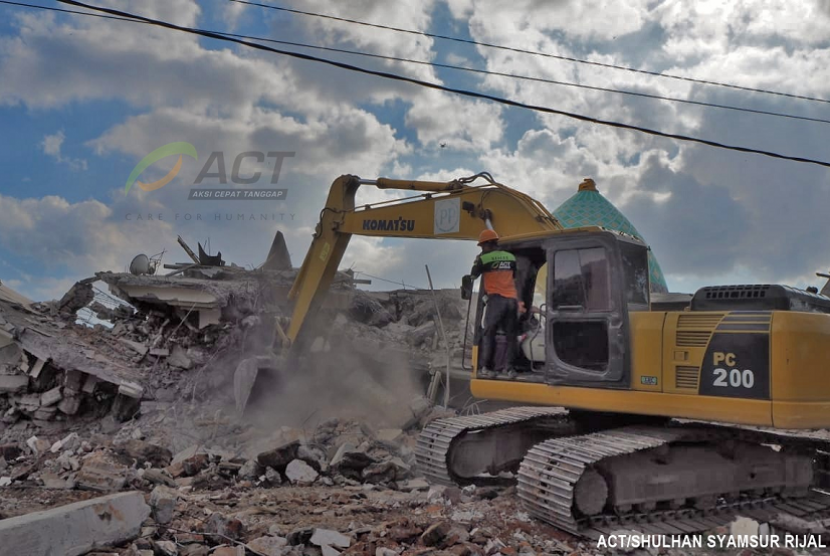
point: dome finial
(587, 185)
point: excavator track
(555, 480)
(560, 453)
(438, 439)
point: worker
(498, 268)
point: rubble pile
(54, 367)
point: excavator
(664, 421)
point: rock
(158, 477)
(403, 531)
(436, 533)
(99, 472)
(327, 537)
(456, 535)
(798, 525)
(195, 464)
(10, 384)
(300, 473)
(415, 484)
(383, 551)
(280, 457)
(178, 358)
(69, 442)
(138, 347)
(163, 503)
(329, 551)
(250, 470)
(229, 551)
(300, 536)
(53, 481)
(166, 548)
(340, 452)
(188, 452)
(352, 464)
(743, 526)
(420, 407)
(219, 524)
(10, 452)
(272, 477)
(380, 473)
(389, 435)
(421, 333)
(38, 445)
(269, 546)
(143, 452)
(194, 550)
(77, 528)
(312, 456)
(5, 481)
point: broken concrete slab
(163, 503)
(137, 347)
(327, 550)
(178, 358)
(279, 457)
(10, 384)
(51, 397)
(300, 473)
(78, 528)
(327, 537)
(99, 472)
(269, 546)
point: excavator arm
(442, 210)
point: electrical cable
(460, 92)
(466, 69)
(533, 52)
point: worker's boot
(485, 372)
(511, 374)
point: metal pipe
(444, 336)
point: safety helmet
(487, 236)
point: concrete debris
(100, 472)
(300, 473)
(163, 503)
(326, 537)
(10, 384)
(268, 546)
(178, 358)
(77, 528)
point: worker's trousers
(502, 312)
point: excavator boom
(444, 210)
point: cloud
(51, 145)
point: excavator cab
(597, 278)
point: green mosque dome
(589, 208)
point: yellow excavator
(674, 419)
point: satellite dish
(140, 265)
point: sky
(83, 100)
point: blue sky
(82, 100)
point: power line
(533, 52)
(435, 86)
(399, 282)
(461, 92)
(534, 79)
(468, 69)
(23, 5)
